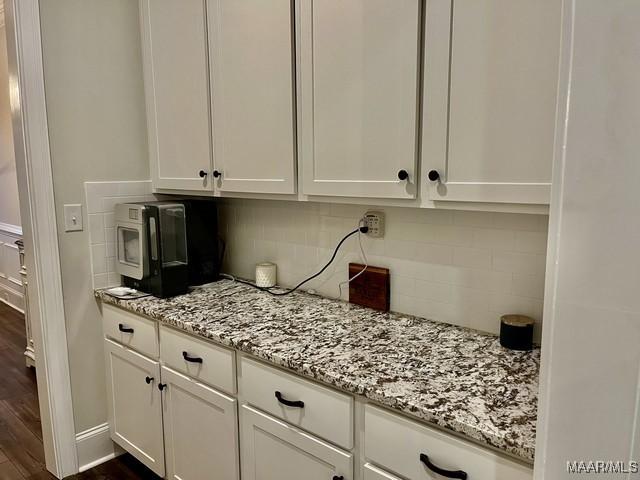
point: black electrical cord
(291, 290)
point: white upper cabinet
(251, 45)
(358, 73)
(177, 93)
(503, 88)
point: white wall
(460, 267)
(591, 341)
(97, 129)
(9, 204)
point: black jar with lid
(516, 332)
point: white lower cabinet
(135, 410)
(200, 430)
(275, 450)
(162, 410)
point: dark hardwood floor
(21, 449)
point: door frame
(37, 209)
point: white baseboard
(12, 297)
(94, 447)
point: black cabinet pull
(336, 477)
(217, 174)
(445, 473)
(148, 380)
(202, 174)
(124, 329)
(188, 358)
(433, 175)
(289, 403)
(162, 386)
(403, 175)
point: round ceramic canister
(266, 275)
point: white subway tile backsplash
(531, 242)
(111, 249)
(472, 257)
(101, 280)
(99, 258)
(109, 220)
(404, 285)
(439, 292)
(466, 268)
(527, 285)
(494, 239)
(473, 219)
(96, 228)
(518, 262)
(517, 221)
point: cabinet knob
(433, 175)
(202, 174)
(217, 174)
(403, 174)
(336, 477)
(148, 380)
(162, 386)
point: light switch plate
(73, 217)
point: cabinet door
(200, 430)
(503, 89)
(274, 450)
(177, 92)
(251, 48)
(359, 96)
(372, 472)
(135, 412)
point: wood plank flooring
(21, 449)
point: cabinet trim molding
(95, 447)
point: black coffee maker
(163, 247)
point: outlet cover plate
(375, 221)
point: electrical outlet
(375, 222)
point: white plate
(121, 291)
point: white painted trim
(9, 229)
(555, 221)
(95, 447)
(12, 293)
(37, 209)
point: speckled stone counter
(457, 378)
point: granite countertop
(457, 378)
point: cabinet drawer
(324, 412)
(199, 359)
(397, 444)
(131, 330)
